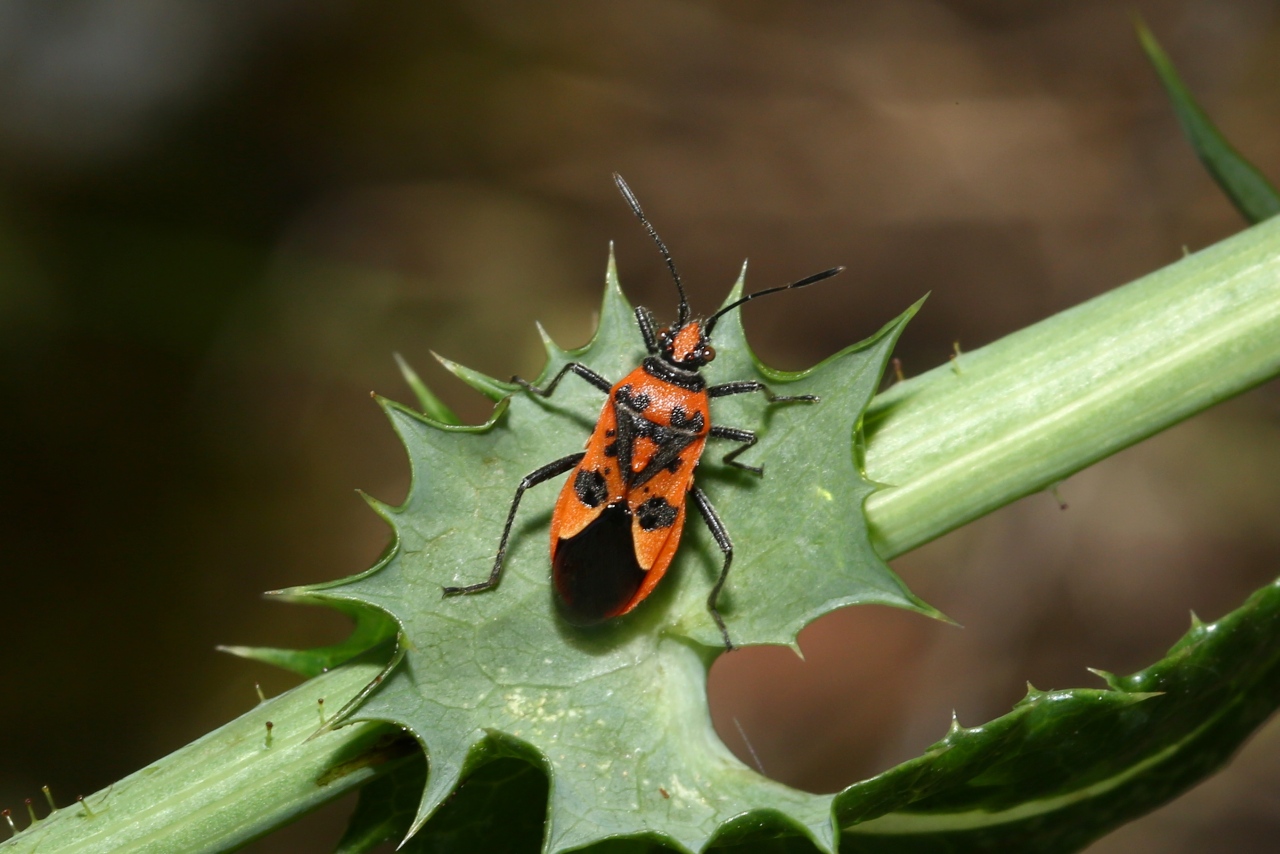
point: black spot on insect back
(636, 402)
(656, 513)
(589, 487)
(681, 420)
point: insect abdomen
(595, 571)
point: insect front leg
(733, 434)
(576, 367)
(726, 546)
(748, 386)
(534, 478)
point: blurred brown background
(218, 221)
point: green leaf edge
(1166, 767)
(371, 628)
(1244, 184)
(733, 334)
(431, 406)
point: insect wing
(592, 486)
(657, 507)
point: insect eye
(708, 352)
(664, 334)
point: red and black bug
(620, 515)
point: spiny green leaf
(1065, 767)
(616, 715)
(483, 383)
(372, 628)
(431, 406)
(1249, 190)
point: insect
(620, 514)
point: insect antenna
(662, 247)
(710, 322)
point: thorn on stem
(1057, 496)
(270, 727)
(48, 796)
(80, 800)
(898, 376)
(257, 686)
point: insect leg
(578, 368)
(733, 434)
(726, 545)
(748, 386)
(534, 478)
(644, 319)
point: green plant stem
(1027, 411)
(952, 444)
(234, 784)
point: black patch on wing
(590, 488)
(595, 572)
(636, 401)
(680, 420)
(656, 513)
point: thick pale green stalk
(954, 443)
(1030, 409)
(232, 785)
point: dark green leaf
(500, 809)
(1065, 767)
(372, 628)
(1249, 190)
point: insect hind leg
(721, 535)
(575, 367)
(533, 478)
